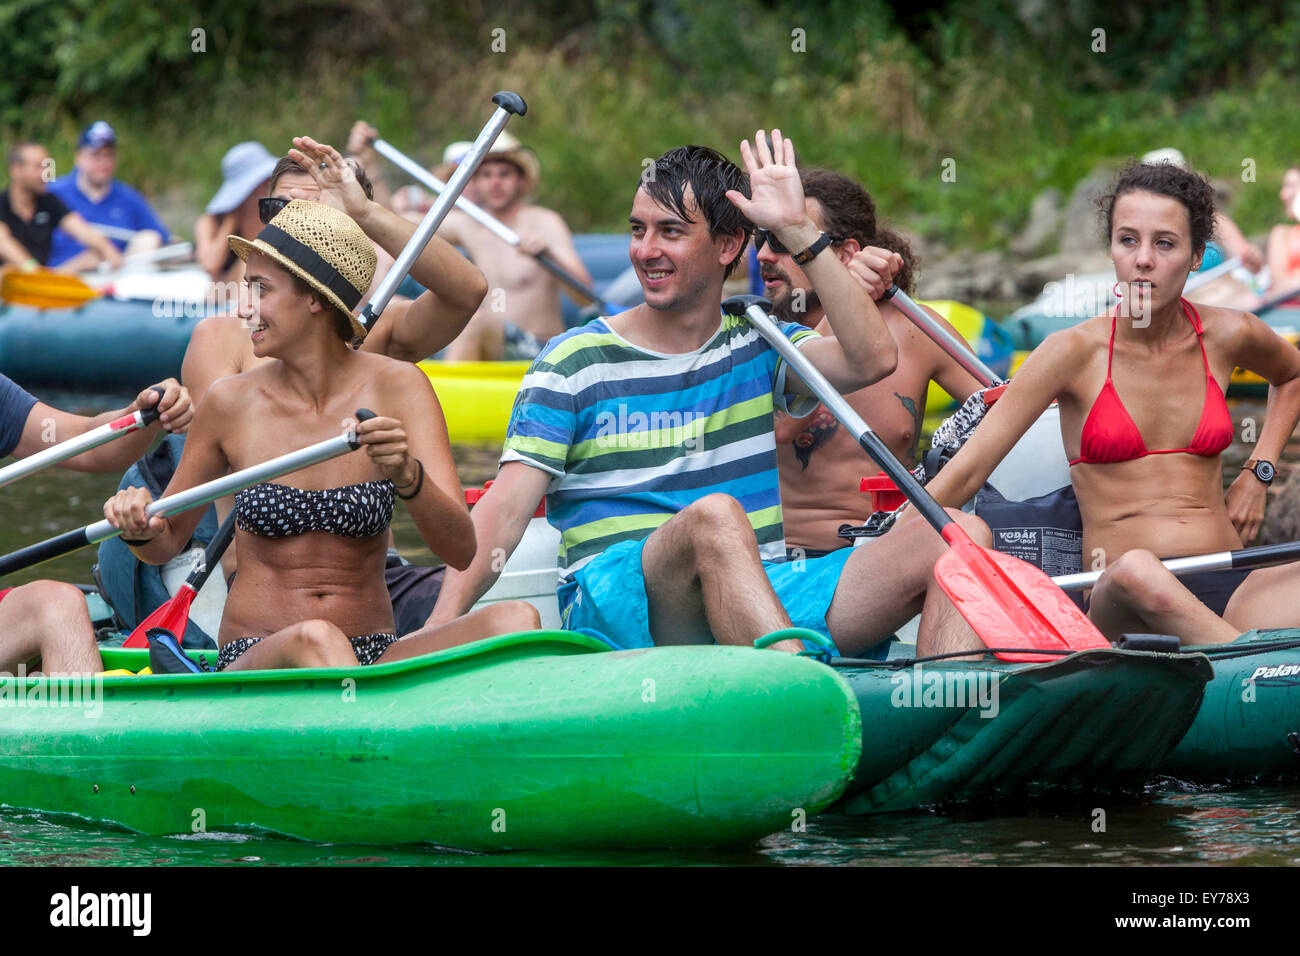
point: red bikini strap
(1194, 317)
(1110, 349)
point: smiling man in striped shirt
(651, 435)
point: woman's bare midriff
(317, 575)
(1170, 504)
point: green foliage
(1014, 92)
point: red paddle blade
(1011, 603)
(173, 615)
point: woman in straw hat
(310, 590)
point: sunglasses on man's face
(764, 237)
(269, 206)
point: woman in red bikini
(1144, 423)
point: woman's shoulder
(1219, 321)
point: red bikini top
(1110, 434)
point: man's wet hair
(287, 166)
(1165, 179)
(848, 210)
(710, 175)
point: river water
(1168, 824)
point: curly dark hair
(710, 175)
(848, 210)
(1165, 179)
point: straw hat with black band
(324, 247)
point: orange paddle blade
(173, 615)
(1011, 603)
(44, 289)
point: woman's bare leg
(506, 617)
(1138, 595)
(309, 644)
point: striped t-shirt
(633, 436)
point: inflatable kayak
(1248, 728)
(943, 732)
(476, 397)
(531, 741)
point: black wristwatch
(809, 254)
(1263, 470)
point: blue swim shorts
(606, 597)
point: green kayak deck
(1248, 728)
(531, 741)
(947, 732)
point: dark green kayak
(545, 740)
(1248, 727)
(948, 732)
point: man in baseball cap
(111, 207)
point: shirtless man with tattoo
(821, 464)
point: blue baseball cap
(97, 134)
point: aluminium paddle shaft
(1257, 557)
(202, 494)
(508, 104)
(480, 215)
(956, 348)
(81, 443)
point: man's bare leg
(49, 620)
(889, 581)
(704, 579)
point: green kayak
(532, 741)
(946, 732)
(1248, 728)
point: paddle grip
(151, 414)
(363, 415)
(511, 102)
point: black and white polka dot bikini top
(271, 510)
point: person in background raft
(650, 433)
(522, 310)
(408, 330)
(821, 464)
(91, 190)
(310, 590)
(48, 619)
(1284, 240)
(1145, 423)
(29, 214)
(245, 169)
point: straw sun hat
(524, 159)
(323, 247)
